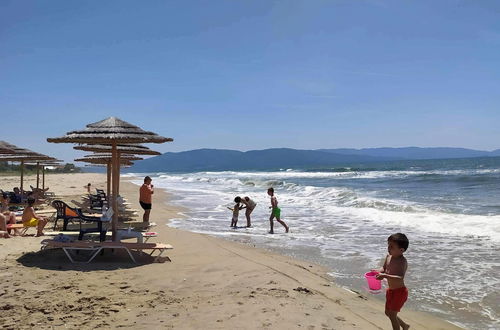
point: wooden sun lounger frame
(97, 247)
(20, 226)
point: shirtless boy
(394, 270)
(30, 219)
(276, 211)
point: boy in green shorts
(276, 212)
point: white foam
(345, 227)
(219, 188)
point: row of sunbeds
(90, 226)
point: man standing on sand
(145, 198)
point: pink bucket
(373, 283)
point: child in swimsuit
(236, 211)
(394, 270)
(30, 219)
(276, 212)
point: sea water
(341, 218)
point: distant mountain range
(268, 159)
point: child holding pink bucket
(394, 270)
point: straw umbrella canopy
(22, 155)
(4, 149)
(133, 149)
(103, 161)
(15, 150)
(112, 131)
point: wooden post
(108, 183)
(115, 164)
(43, 177)
(37, 175)
(119, 170)
(22, 175)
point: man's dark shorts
(145, 206)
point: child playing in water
(30, 219)
(236, 211)
(276, 211)
(394, 270)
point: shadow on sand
(55, 259)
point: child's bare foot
(405, 326)
(287, 229)
(271, 232)
(40, 234)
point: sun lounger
(19, 226)
(140, 236)
(96, 247)
(145, 236)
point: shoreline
(320, 271)
(211, 283)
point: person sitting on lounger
(38, 193)
(18, 196)
(3, 226)
(10, 217)
(30, 219)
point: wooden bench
(97, 247)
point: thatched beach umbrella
(4, 149)
(112, 131)
(21, 155)
(42, 164)
(132, 149)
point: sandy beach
(209, 284)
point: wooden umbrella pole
(119, 170)
(22, 175)
(43, 177)
(108, 183)
(37, 175)
(115, 162)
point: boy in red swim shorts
(394, 270)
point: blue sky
(254, 74)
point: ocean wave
(436, 213)
(481, 175)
